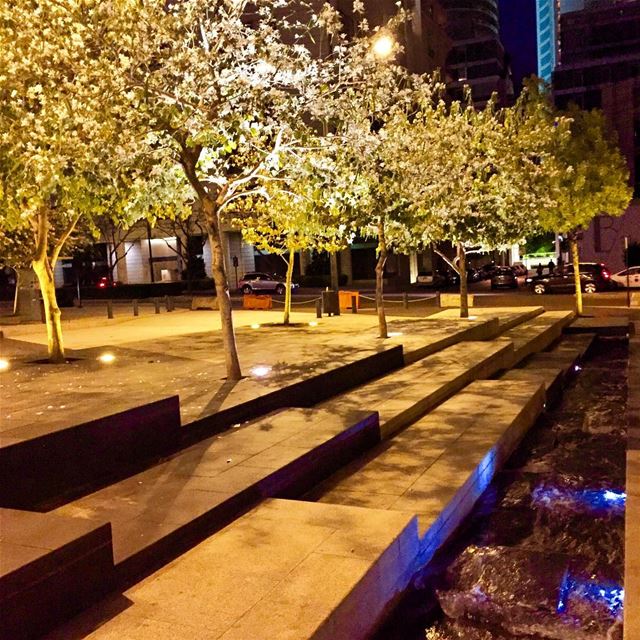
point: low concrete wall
(453, 300)
(305, 393)
(632, 516)
(58, 566)
(45, 468)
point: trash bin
(346, 299)
(331, 303)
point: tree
(480, 175)
(188, 231)
(303, 212)
(60, 151)
(16, 253)
(216, 91)
(115, 236)
(370, 118)
(592, 179)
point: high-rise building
(546, 28)
(477, 57)
(599, 67)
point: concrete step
(553, 368)
(402, 397)
(169, 507)
(439, 466)
(602, 326)
(508, 317)
(51, 567)
(537, 334)
(284, 571)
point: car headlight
(529, 280)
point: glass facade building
(546, 26)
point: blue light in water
(607, 500)
(608, 594)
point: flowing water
(541, 556)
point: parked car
(520, 268)
(486, 271)
(430, 279)
(561, 282)
(105, 283)
(257, 282)
(504, 277)
(633, 279)
(598, 271)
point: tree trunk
(44, 272)
(573, 243)
(464, 290)
(333, 265)
(287, 293)
(382, 259)
(210, 209)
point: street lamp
(383, 46)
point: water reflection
(542, 555)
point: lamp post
(626, 264)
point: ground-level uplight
(313, 324)
(255, 325)
(261, 371)
(4, 364)
(106, 358)
(394, 334)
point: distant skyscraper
(547, 30)
(477, 58)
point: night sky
(518, 34)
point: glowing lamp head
(4, 364)
(383, 46)
(106, 358)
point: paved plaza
(181, 353)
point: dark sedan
(561, 282)
(504, 277)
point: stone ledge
(51, 568)
(299, 571)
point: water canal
(541, 556)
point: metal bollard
(354, 304)
(167, 304)
(405, 300)
(136, 311)
(438, 304)
(110, 309)
(156, 304)
(318, 308)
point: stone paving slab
(601, 325)
(550, 377)
(202, 487)
(439, 466)
(508, 317)
(159, 356)
(404, 395)
(537, 334)
(284, 571)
